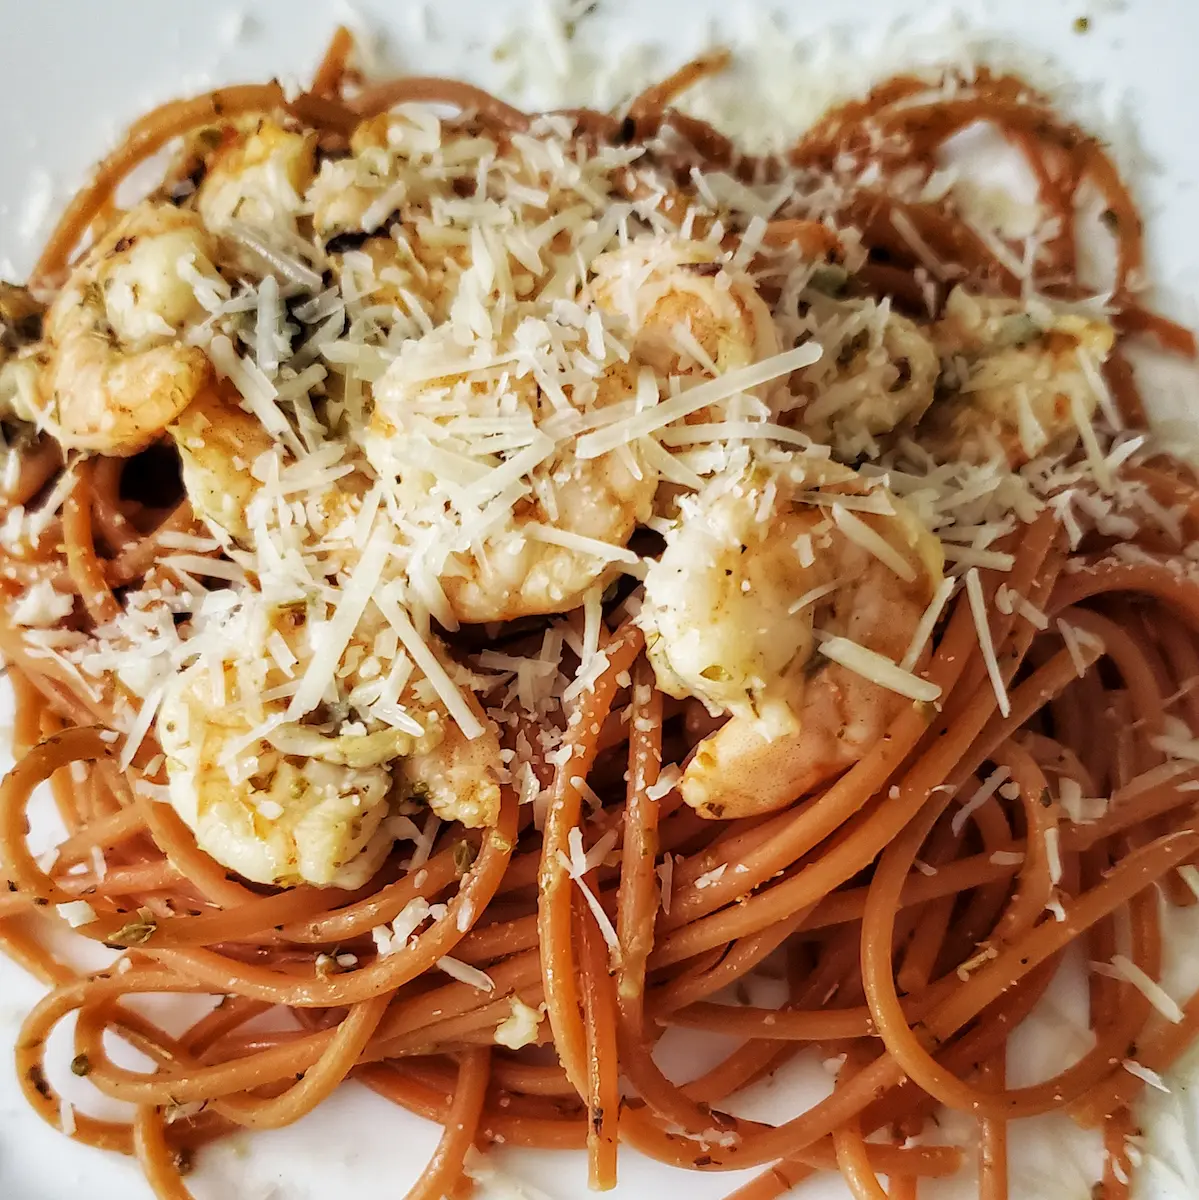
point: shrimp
(883, 376)
(1016, 381)
(221, 451)
(218, 443)
(287, 803)
(458, 777)
(116, 368)
(760, 567)
(385, 219)
(690, 313)
(454, 775)
(346, 189)
(257, 177)
(227, 456)
(489, 544)
(420, 203)
(271, 817)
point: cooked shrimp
(882, 377)
(346, 189)
(688, 310)
(510, 549)
(416, 281)
(458, 778)
(813, 240)
(258, 177)
(218, 443)
(754, 574)
(261, 812)
(1015, 383)
(509, 207)
(223, 454)
(117, 370)
(301, 804)
(389, 230)
(228, 459)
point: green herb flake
(136, 933)
(830, 280)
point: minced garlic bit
(521, 1027)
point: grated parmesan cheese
(668, 779)
(604, 551)
(424, 658)
(576, 867)
(1078, 642)
(1145, 1074)
(1007, 858)
(978, 610)
(1054, 854)
(877, 668)
(464, 973)
(923, 632)
(140, 727)
(76, 913)
(988, 788)
(870, 540)
(810, 597)
(620, 433)
(1122, 967)
(334, 635)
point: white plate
(75, 71)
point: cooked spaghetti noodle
(527, 817)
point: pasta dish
(485, 588)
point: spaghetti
(912, 906)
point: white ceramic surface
(75, 71)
